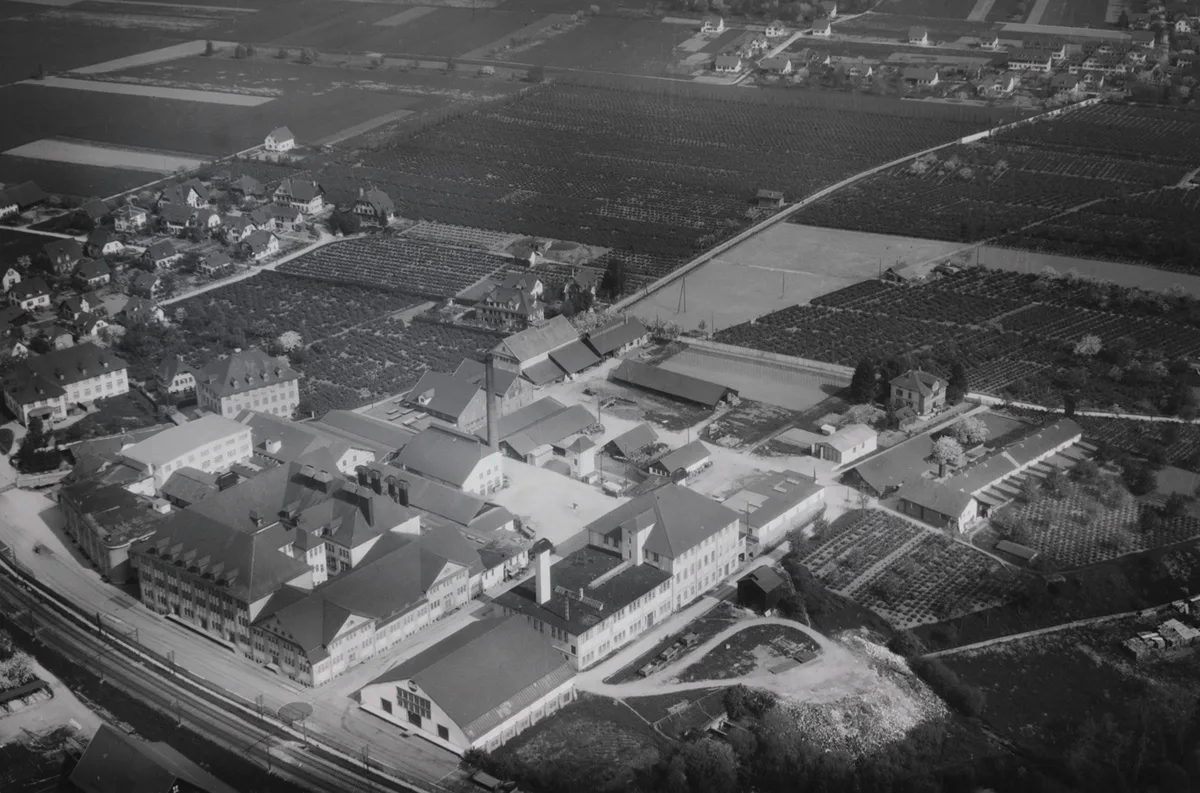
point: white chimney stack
(543, 576)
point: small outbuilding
(769, 199)
(761, 589)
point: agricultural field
(1076, 13)
(744, 652)
(71, 179)
(652, 176)
(398, 263)
(1180, 443)
(59, 46)
(942, 9)
(1130, 157)
(894, 26)
(613, 44)
(1015, 333)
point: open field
(942, 27)
(782, 266)
(1015, 333)
(59, 47)
(1130, 157)
(152, 91)
(103, 156)
(793, 390)
(71, 179)
(611, 44)
(1076, 13)
(948, 9)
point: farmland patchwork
(104, 156)
(153, 91)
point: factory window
(443, 733)
(385, 704)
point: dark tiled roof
(539, 340)
(299, 190)
(574, 357)
(475, 372)
(177, 214)
(93, 268)
(31, 287)
(163, 249)
(917, 380)
(94, 208)
(680, 386)
(941, 498)
(443, 455)
(683, 458)
(23, 195)
(543, 372)
(245, 371)
(438, 392)
(190, 485)
(632, 440)
(682, 519)
(371, 433)
(112, 764)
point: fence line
(992, 401)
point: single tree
(862, 384)
(958, 386)
(209, 49)
(614, 279)
(969, 431)
(1176, 506)
(250, 51)
(947, 452)
(1123, 19)
(1088, 347)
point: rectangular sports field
(784, 265)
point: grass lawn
(948, 9)
(600, 737)
(705, 627)
(744, 652)
(114, 415)
(678, 712)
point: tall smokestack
(542, 551)
(489, 388)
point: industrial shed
(673, 384)
(761, 589)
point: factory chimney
(489, 388)
(541, 551)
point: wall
(700, 568)
(623, 627)
(799, 515)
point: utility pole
(178, 713)
(258, 700)
(171, 660)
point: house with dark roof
(307, 196)
(214, 264)
(459, 403)
(925, 393)
(630, 442)
(11, 278)
(512, 390)
(192, 194)
(140, 309)
(918, 35)
(531, 433)
(367, 432)
(440, 692)
(682, 463)
(727, 64)
(69, 308)
(104, 520)
(775, 503)
(63, 255)
(46, 385)
(246, 186)
(102, 242)
(30, 294)
(686, 534)
(528, 352)
(161, 254)
(673, 384)
(130, 219)
(281, 440)
(236, 228)
(187, 486)
(454, 459)
(23, 196)
(921, 75)
(117, 763)
(92, 273)
(248, 380)
(260, 245)
(145, 284)
(761, 589)
(375, 205)
(511, 308)
(174, 217)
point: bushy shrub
(964, 698)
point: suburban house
(673, 384)
(205, 219)
(88, 327)
(852, 66)
(46, 385)
(830, 8)
(1000, 85)
(453, 459)
(528, 352)
(525, 282)
(161, 254)
(247, 187)
(822, 27)
(775, 503)
(175, 377)
(174, 217)
(248, 380)
(1183, 25)
(94, 209)
(990, 42)
(374, 204)
(209, 443)
(712, 24)
(769, 199)
(626, 445)
(63, 255)
(776, 29)
(191, 193)
(617, 337)
(102, 242)
(70, 308)
(261, 245)
(581, 279)
(284, 218)
(780, 64)
(130, 219)
(306, 196)
(921, 75)
(1144, 38)
(30, 294)
(1067, 86)
(511, 308)
(60, 337)
(214, 264)
(918, 35)
(847, 444)
(10, 278)
(1031, 60)
(682, 463)
(441, 692)
(727, 64)
(139, 309)
(923, 392)
(281, 139)
(146, 284)
(236, 228)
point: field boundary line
(865, 577)
(1083, 623)
(806, 365)
(681, 272)
(994, 401)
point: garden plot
(758, 648)
(871, 538)
(748, 424)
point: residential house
(776, 29)
(581, 279)
(209, 443)
(374, 204)
(236, 228)
(10, 279)
(673, 384)
(830, 8)
(214, 264)
(130, 219)
(30, 294)
(175, 377)
(923, 392)
(45, 385)
(306, 196)
(1144, 38)
(851, 66)
(780, 64)
(925, 76)
(847, 444)
(755, 46)
(440, 693)
(161, 254)
(1067, 87)
(102, 242)
(453, 459)
(769, 199)
(25, 195)
(918, 35)
(990, 42)
(248, 380)
(682, 463)
(999, 85)
(205, 220)
(59, 337)
(71, 308)
(139, 309)
(192, 194)
(88, 327)
(525, 282)
(94, 210)
(147, 285)
(63, 255)
(8, 204)
(1031, 60)
(261, 245)
(776, 503)
(1183, 24)
(712, 24)
(281, 139)
(511, 308)
(285, 218)
(174, 217)
(822, 27)
(247, 187)
(727, 64)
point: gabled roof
(94, 208)
(680, 386)
(175, 213)
(538, 340)
(850, 436)
(114, 763)
(299, 189)
(776, 63)
(919, 73)
(766, 498)
(574, 357)
(441, 500)
(63, 250)
(378, 200)
(684, 457)
(438, 392)
(681, 519)
(542, 372)
(218, 259)
(163, 249)
(247, 185)
(296, 439)
(93, 268)
(765, 577)
(189, 485)
(920, 381)
(170, 443)
(282, 134)
(940, 498)
(145, 282)
(365, 431)
(310, 621)
(129, 210)
(138, 308)
(475, 372)
(245, 371)
(632, 440)
(24, 195)
(522, 668)
(543, 422)
(443, 455)
(58, 369)
(30, 287)
(728, 60)
(237, 223)
(258, 239)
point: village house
(918, 35)
(822, 27)
(990, 42)
(511, 308)
(130, 219)
(103, 242)
(88, 327)
(174, 218)
(45, 385)
(20, 197)
(776, 30)
(10, 279)
(63, 255)
(712, 24)
(161, 254)
(1183, 24)
(70, 308)
(236, 228)
(1144, 38)
(780, 64)
(284, 218)
(214, 264)
(247, 187)
(306, 196)
(727, 64)
(374, 204)
(581, 279)
(192, 193)
(829, 8)
(999, 85)
(923, 392)
(1066, 87)
(30, 294)
(248, 380)
(139, 309)
(175, 377)
(756, 45)
(923, 76)
(857, 66)
(147, 285)
(205, 220)
(94, 210)
(281, 139)
(525, 282)
(261, 245)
